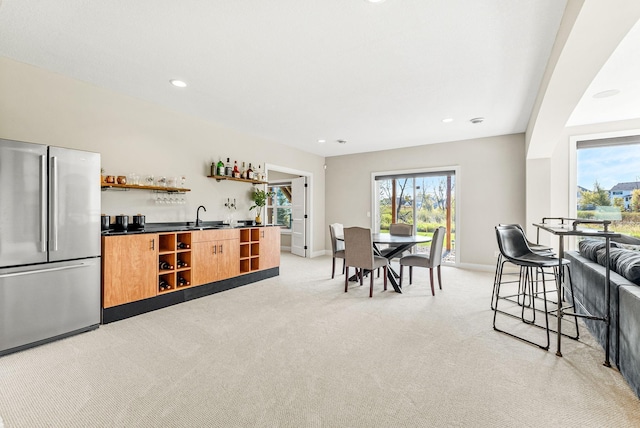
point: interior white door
(298, 217)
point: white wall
(551, 181)
(136, 136)
(577, 57)
(490, 187)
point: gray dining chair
(433, 260)
(337, 246)
(397, 229)
(358, 249)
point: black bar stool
(534, 268)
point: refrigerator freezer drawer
(46, 301)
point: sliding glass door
(425, 200)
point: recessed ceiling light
(178, 83)
(477, 120)
(322, 141)
(608, 93)
(447, 120)
(375, 1)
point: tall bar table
(562, 227)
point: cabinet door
(129, 268)
(269, 247)
(203, 269)
(228, 258)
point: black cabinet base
(132, 309)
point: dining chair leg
(333, 268)
(361, 276)
(371, 285)
(439, 278)
(346, 278)
(401, 275)
(344, 263)
(410, 275)
(433, 291)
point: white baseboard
(471, 266)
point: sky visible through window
(608, 165)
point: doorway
(290, 208)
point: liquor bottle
(258, 174)
(165, 266)
(236, 171)
(243, 173)
(214, 168)
(182, 282)
(220, 167)
(249, 172)
(183, 245)
(227, 168)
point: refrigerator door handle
(53, 204)
(31, 272)
(43, 203)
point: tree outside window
(279, 206)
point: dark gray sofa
(588, 282)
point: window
(279, 206)
(608, 182)
(425, 200)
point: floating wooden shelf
(245, 180)
(106, 186)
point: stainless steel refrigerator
(49, 243)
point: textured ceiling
(294, 71)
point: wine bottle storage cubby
(166, 282)
(183, 278)
(167, 243)
(249, 250)
(166, 262)
(183, 242)
(183, 260)
(174, 261)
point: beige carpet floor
(296, 351)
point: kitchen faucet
(198, 214)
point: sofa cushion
(588, 248)
(627, 239)
(623, 261)
(629, 246)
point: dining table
(398, 245)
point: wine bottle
(243, 173)
(163, 285)
(236, 171)
(227, 168)
(165, 266)
(250, 172)
(182, 264)
(182, 282)
(220, 167)
(183, 245)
